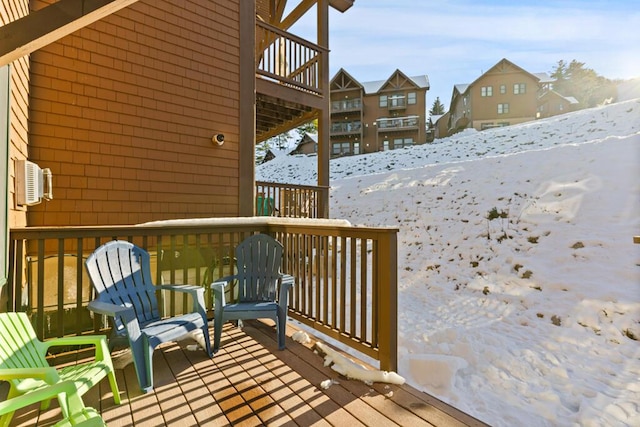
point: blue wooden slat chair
(23, 361)
(121, 276)
(78, 415)
(262, 290)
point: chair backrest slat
(120, 274)
(19, 344)
(259, 258)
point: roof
(569, 99)
(544, 77)
(421, 81)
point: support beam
(51, 23)
(296, 14)
(324, 115)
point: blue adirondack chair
(24, 365)
(262, 290)
(121, 276)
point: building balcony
(346, 128)
(289, 84)
(397, 124)
(346, 106)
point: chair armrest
(196, 292)
(47, 374)
(286, 282)
(109, 309)
(125, 313)
(191, 289)
(218, 288)
(45, 393)
(99, 341)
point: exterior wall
(342, 113)
(18, 113)
(460, 111)
(123, 112)
(552, 104)
(522, 107)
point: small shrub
(556, 320)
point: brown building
(504, 95)
(376, 116)
(308, 144)
(121, 103)
(551, 103)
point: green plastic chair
(121, 276)
(79, 414)
(23, 362)
(263, 291)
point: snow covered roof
(544, 77)
(375, 86)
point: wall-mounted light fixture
(218, 139)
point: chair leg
(281, 325)
(142, 361)
(114, 386)
(217, 332)
(207, 342)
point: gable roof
(371, 87)
(343, 72)
(569, 99)
(504, 61)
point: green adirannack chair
(23, 362)
(121, 276)
(78, 415)
(263, 291)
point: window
(402, 142)
(503, 89)
(486, 91)
(383, 101)
(356, 148)
(519, 88)
(341, 148)
(412, 98)
(503, 108)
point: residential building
(379, 115)
(308, 144)
(504, 95)
(551, 103)
(121, 103)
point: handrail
(290, 200)
(288, 59)
(345, 277)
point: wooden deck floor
(250, 383)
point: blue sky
(455, 41)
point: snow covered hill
(519, 280)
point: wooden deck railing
(346, 277)
(286, 58)
(291, 201)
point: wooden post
(387, 274)
(324, 116)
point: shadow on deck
(250, 383)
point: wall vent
(32, 183)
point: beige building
(504, 95)
(376, 116)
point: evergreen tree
(309, 127)
(582, 83)
(437, 108)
